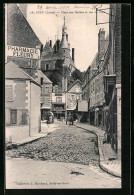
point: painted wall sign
(23, 52)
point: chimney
(73, 54)
(50, 43)
(101, 40)
(55, 48)
(58, 44)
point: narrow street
(67, 157)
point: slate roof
(19, 31)
(12, 71)
(74, 84)
(45, 79)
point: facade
(53, 57)
(112, 79)
(86, 90)
(46, 93)
(103, 88)
(22, 107)
(58, 103)
(57, 60)
(93, 88)
(73, 95)
(17, 25)
(20, 34)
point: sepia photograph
(63, 117)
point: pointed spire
(64, 21)
(64, 43)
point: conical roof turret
(64, 41)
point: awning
(70, 109)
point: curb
(21, 144)
(109, 171)
(100, 156)
(15, 145)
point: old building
(58, 103)
(22, 44)
(112, 79)
(73, 95)
(86, 89)
(104, 83)
(56, 59)
(22, 104)
(93, 88)
(46, 93)
(24, 48)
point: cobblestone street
(66, 158)
(65, 144)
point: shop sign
(83, 106)
(23, 52)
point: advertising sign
(82, 106)
(23, 52)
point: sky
(47, 21)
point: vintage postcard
(63, 96)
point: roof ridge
(73, 84)
(31, 78)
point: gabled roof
(12, 71)
(19, 31)
(45, 79)
(77, 81)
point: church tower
(64, 41)
(65, 46)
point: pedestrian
(47, 119)
(72, 120)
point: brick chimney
(101, 43)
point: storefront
(58, 111)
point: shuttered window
(9, 93)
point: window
(9, 93)
(13, 117)
(46, 90)
(41, 81)
(24, 119)
(58, 99)
(73, 97)
(47, 66)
